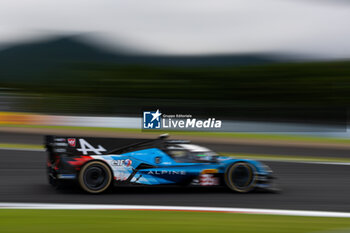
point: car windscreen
(186, 156)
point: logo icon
(86, 148)
(152, 120)
(127, 162)
(122, 162)
(71, 142)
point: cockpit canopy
(184, 153)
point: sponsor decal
(59, 139)
(121, 176)
(59, 150)
(60, 144)
(86, 147)
(122, 162)
(71, 142)
(127, 163)
(157, 120)
(208, 180)
(165, 172)
(66, 176)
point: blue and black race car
(98, 163)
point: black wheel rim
(95, 177)
(242, 176)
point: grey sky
(189, 26)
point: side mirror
(163, 136)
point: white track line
(47, 206)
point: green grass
(92, 221)
(21, 146)
(248, 136)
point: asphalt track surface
(304, 186)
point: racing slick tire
(95, 177)
(240, 177)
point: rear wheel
(240, 177)
(95, 177)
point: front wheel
(240, 177)
(95, 177)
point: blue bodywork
(155, 167)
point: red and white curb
(47, 206)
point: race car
(99, 163)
